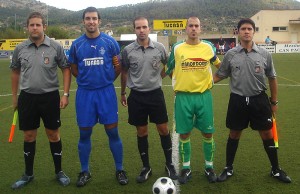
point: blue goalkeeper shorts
(96, 106)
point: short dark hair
(246, 21)
(91, 9)
(191, 17)
(36, 15)
(139, 18)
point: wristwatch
(66, 94)
(274, 103)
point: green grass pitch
(251, 165)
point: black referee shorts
(142, 105)
(33, 107)
(254, 110)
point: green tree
(57, 32)
(9, 33)
(123, 30)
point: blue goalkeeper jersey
(94, 60)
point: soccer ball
(164, 185)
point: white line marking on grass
(288, 79)
(175, 156)
(289, 85)
(175, 152)
(4, 95)
(3, 109)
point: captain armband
(116, 61)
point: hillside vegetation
(218, 14)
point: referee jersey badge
(46, 60)
(155, 64)
(257, 69)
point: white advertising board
(153, 37)
(287, 48)
(269, 47)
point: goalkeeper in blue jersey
(94, 59)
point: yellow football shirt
(190, 66)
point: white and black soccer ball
(164, 185)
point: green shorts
(194, 110)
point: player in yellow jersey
(190, 66)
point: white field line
(175, 152)
(3, 109)
(288, 80)
(175, 156)
(289, 85)
(4, 95)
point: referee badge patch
(257, 69)
(155, 64)
(46, 60)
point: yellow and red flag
(13, 126)
(274, 131)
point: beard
(91, 30)
(142, 38)
(36, 37)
